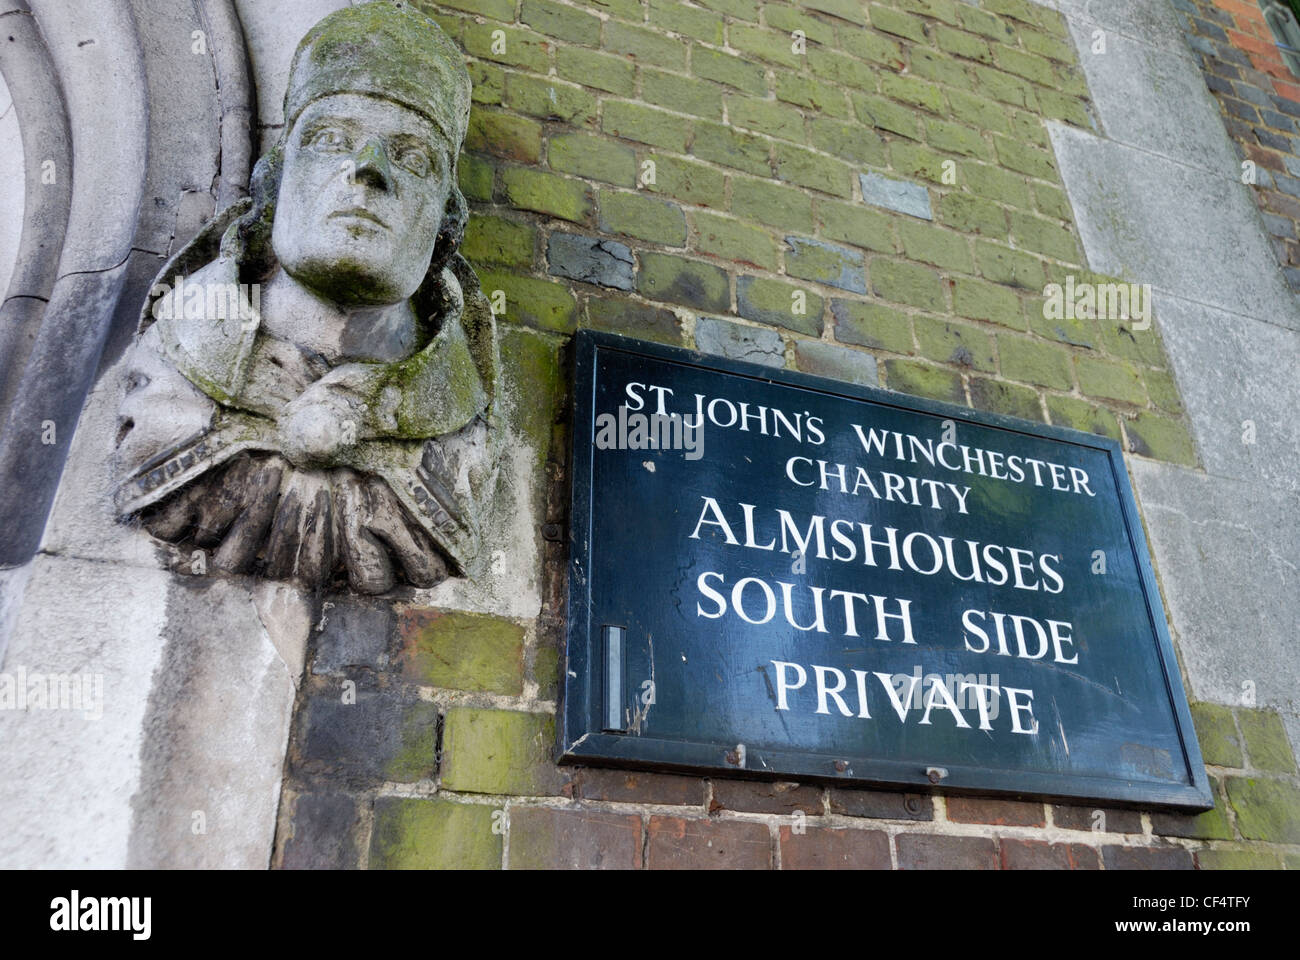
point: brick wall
(802, 213)
(1260, 101)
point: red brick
(1269, 65)
(1040, 855)
(1081, 818)
(1002, 813)
(1243, 13)
(777, 797)
(923, 851)
(1146, 858)
(830, 849)
(544, 838)
(881, 804)
(1265, 158)
(624, 786)
(679, 844)
(1289, 90)
(1244, 41)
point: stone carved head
(342, 431)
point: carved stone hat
(384, 49)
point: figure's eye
(328, 138)
(415, 160)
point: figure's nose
(372, 165)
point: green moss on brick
(1237, 857)
(475, 175)
(549, 99)
(1267, 746)
(595, 158)
(537, 303)
(978, 300)
(418, 834)
(942, 248)
(772, 203)
(734, 240)
(646, 46)
(923, 380)
(850, 140)
(499, 752)
(889, 20)
(504, 135)
(497, 240)
(637, 215)
(522, 48)
(913, 91)
(998, 397)
(1080, 415)
(855, 224)
(732, 148)
(1266, 809)
(632, 121)
(779, 304)
(1110, 380)
(872, 325)
(678, 93)
(730, 69)
(971, 214)
(1044, 236)
(461, 651)
(1161, 438)
(808, 169)
(688, 181)
(769, 45)
(887, 115)
(678, 280)
(1028, 361)
(688, 21)
(634, 320)
(1217, 734)
(766, 116)
(601, 71)
(528, 189)
(564, 23)
(909, 283)
(957, 343)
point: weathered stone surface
(737, 342)
(679, 844)
(414, 834)
(826, 263)
(381, 736)
(591, 260)
(322, 833)
(1244, 579)
(1135, 83)
(546, 838)
(767, 797)
(355, 634)
(1170, 225)
(820, 848)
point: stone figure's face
(364, 186)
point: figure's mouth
(358, 213)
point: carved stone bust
(310, 394)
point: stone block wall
(861, 190)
